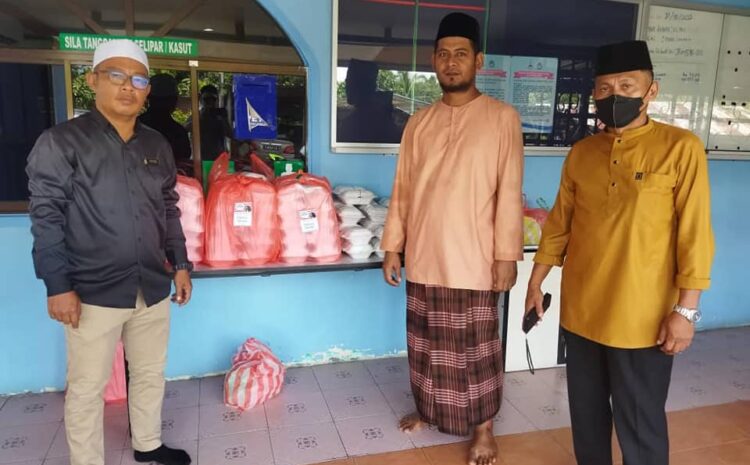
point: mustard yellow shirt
(631, 226)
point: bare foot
(483, 449)
(411, 422)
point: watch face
(697, 316)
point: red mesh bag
(257, 376)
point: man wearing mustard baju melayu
(631, 228)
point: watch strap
(184, 266)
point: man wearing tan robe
(456, 214)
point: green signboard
(152, 45)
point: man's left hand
(504, 274)
(676, 334)
(183, 287)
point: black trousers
(627, 385)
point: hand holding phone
(531, 318)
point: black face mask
(617, 111)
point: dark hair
(209, 88)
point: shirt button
(615, 162)
(614, 184)
(140, 240)
(619, 141)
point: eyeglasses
(119, 78)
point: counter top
(345, 263)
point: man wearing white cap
(105, 220)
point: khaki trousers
(91, 348)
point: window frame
(349, 148)
(68, 59)
(346, 148)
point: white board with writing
(684, 46)
(730, 122)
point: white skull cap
(120, 48)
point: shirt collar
(465, 105)
(634, 133)
(104, 123)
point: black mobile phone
(529, 321)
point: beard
(456, 87)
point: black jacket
(104, 212)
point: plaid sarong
(455, 356)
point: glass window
(244, 114)
(32, 99)
(234, 36)
(374, 73)
(387, 46)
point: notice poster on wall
(532, 92)
(494, 78)
(255, 106)
(684, 46)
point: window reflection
(368, 115)
(32, 99)
(730, 126)
(396, 38)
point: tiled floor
(349, 412)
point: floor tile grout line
(335, 426)
(301, 425)
(388, 402)
(200, 419)
(536, 428)
(270, 444)
(376, 415)
(372, 375)
(268, 431)
(60, 426)
(393, 412)
(315, 377)
(549, 434)
(333, 420)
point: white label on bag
(308, 221)
(243, 214)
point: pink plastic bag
(256, 376)
(241, 222)
(116, 389)
(309, 225)
(191, 216)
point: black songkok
(623, 57)
(459, 25)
